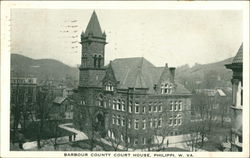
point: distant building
(237, 102)
(131, 99)
(219, 100)
(22, 100)
(25, 88)
(62, 109)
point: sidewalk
(79, 134)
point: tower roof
(239, 56)
(94, 26)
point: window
(162, 88)
(123, 121)
(136, 109)
(123, 105)
(109, 86)
(151, 123)
(240, 139)
(171, 121)
(128, 139)
(144, 141)
(155, 123)
(122, 138)
(160, 108)
(180, 105)
(82, 102)
(129, 123)
(109, 133)
(136, 124)
(118, 121)
(113, 119)
(130, 108)
(109, 102)
(171, 106)
(179, 121)
(150, 108)
(160, 122)
(119, 104)
(166, 88)
(112, 135)
(155, 108)
(176, 106)
(114, 104)
(143, 109)
(136, 141)
(144, 124)
(175, 122)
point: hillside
(205, 75)
(41, 68)
(199, 76)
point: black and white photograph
(102, 81)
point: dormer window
(109, 86)
(166, 88)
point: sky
(176, 37)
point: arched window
(99, 61)
(95, 60)
(100, 101)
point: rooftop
(239, 56)
(138, 72)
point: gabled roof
(94, 26)
(213, 92)
(59, 100)
(133, 72)
(138, 72)
(239, 56)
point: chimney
(166, 65)
(172, 73)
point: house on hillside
(130, 99)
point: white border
(5, 59)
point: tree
(157, 132)
(204, 112)
(194, 136)
(223, 109)
(84, 119)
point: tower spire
(94, 27)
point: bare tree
(84, 118)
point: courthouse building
(131, 99)
(237, 102)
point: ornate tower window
(99, 61)
(95, 60)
